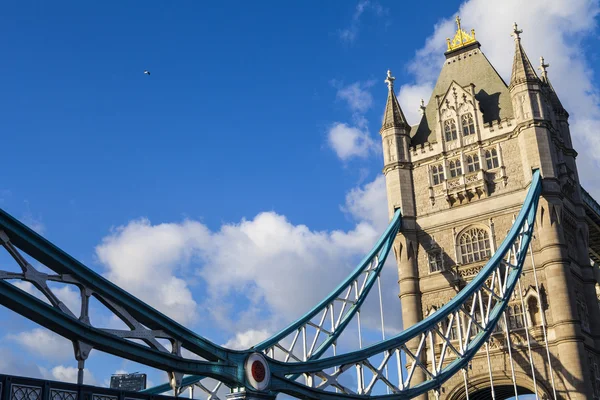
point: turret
(395, 136)
(560, 116)
(524, 84)
(532, 119)
(395, 131)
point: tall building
(460, 177)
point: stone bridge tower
(460, 177)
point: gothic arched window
(468, 124)
(491, 159)
(455, 168)
(450, 129)
(474, 245)
(473, 163)
(437, 173)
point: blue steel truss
(473, 314)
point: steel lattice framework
(301, 360)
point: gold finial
(542, 68)
(390, 80)
(516, 32)
(461, 38)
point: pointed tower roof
(393, 116)
(522, 70)
(549, 90)
(466, 65)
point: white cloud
(357, 95)
(16, 364)
(62, 373)
(353, 140)
(551, 29)
(40, 341)
(410, 97)
(150, 262)
(247, 339)
(368, 203)
(259, 273)
(349, 141)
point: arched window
(473, 163)
(450, 129)
(437, 173)
(534, 311)
(455, 169)
(491, 159)
(474, 245)
(468, 124)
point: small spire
(393, 117)
(390, 80)
(522, 70)
(422, 107)
(549, 90)
(516, 32)
(542, 68)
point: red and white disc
(257, 371)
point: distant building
(129, 382)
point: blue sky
(256, 131)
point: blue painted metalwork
(517, 239)
(379, 252)
(495, 283)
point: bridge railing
(21, 388)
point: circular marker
(258, 371)
(258, 374)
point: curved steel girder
(229, 370)
(379, 252)
(56, 259)
(384, 243)
(516, 241)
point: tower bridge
(496, 245)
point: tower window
(474, 245)
(468, 124)
(437, 173)
(473, 163)
(582, 311)
(455, 168)
(435, 260)
(515, 316)
(450, 130)
(491, 159)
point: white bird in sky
(147, 72)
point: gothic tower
(460, 177)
